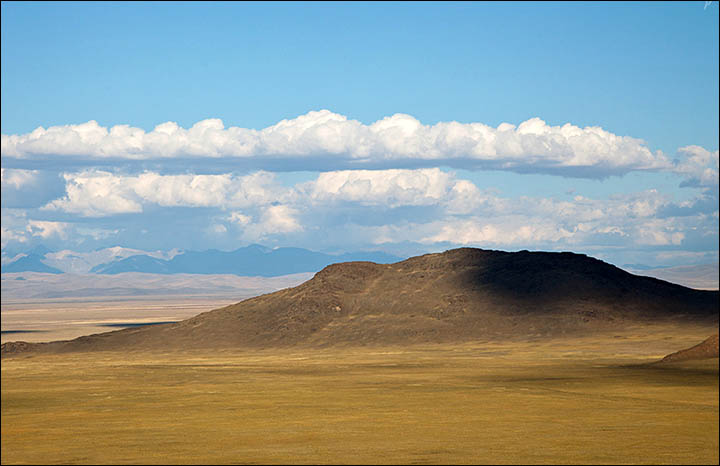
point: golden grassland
(582, 400)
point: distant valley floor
(40, 307)
(52, 320)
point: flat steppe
(42, 307)
(43, 320)
(594, 399)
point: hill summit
(460, 295)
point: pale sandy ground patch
(47, 307)
(51, 320)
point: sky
(402, 127)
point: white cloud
(530, 231)
(394, 187)
(399, 140)
(275, 219)
(17, 178)
(365, 207)
(485, 219)
(279, 219)
(13, 226)
(239, 219)
(508, 231)
(47, 229)
(698, 165)
(9, 235)
(658, 232)
(181, 190)
(97, 193)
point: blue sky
(644, 74)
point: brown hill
(705, 350)
(459, 295)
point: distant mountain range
(139, 263)
(253, 260)
(29, 263)
(257, 260)
(76, 262)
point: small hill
(460, 295)
(705, 350)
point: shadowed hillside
(459, 295)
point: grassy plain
(584, 400)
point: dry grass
(578, 401)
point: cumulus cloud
(47, 229)
(489, 220)
(17, 178)
(280, 219)
(531, 231)
(239, 218)
(268, 208)
(428, 206)
(23, 188)
(508, 231)
(397, 141)
(658, 232)
(699, 166)
(9, 235)
(96, 193)
(394, 187)
(273, 220)
(13, 226)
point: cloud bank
(376, 185)
(325, 139)
(428, 206)
(97, 193)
